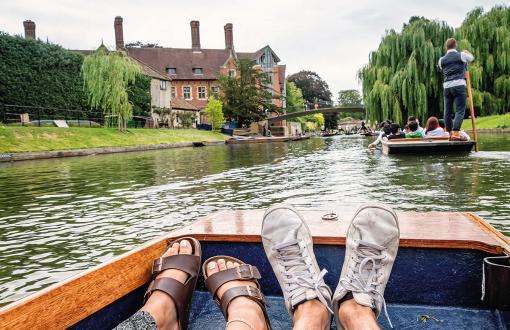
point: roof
(179, 103)
(149, 71)
(255, 55)
(184, 60)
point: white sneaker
(289, 248)
(371, 247)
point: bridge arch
(355, 108)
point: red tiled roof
(179, 103)
(184, 60)
(149, 71)
(255, 55)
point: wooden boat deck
(426, 145)
(66, 303)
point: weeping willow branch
(106, 76)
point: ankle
(311, 314)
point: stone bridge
(354, 108)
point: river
(61, 216)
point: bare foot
(241, 307)
(160, 305)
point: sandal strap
(242, 272)
(187, 263)
(250, 292)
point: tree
(139, 95)
(314, 89)
(214, 112)
(246, 97)
(349, 97)
(293, 98)
(402, 77)
(106, 76)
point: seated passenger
(384, 133)
(395, 132)
(420, 129)
(433, 129)
(413, 130)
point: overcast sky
(331, 37)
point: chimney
(29, 29)
(229, 38)
(119, 33)
(195, 35)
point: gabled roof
(149, 71)
(255, 55)
(184, 60)
(178, 103)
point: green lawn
(22, 139)
(497, 121)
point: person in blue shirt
(453, 65)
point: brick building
(194, 71)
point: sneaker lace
(297, 274)
(362, 278)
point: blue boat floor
(205, 314)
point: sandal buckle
(245, 272)
(254, 292)
(157, 265)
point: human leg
(460, 106)
(234, 286)
(288, 245)
(448, 109)
(371, 248)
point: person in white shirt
(433, 129)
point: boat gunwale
(132, 269)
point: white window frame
(198, 93)
(190, 93)
(173, 91)
(215, 90)
(162, 85)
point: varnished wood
(64, 304)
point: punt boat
(238, 140)
(208, 143)
(445, 262)
(426, 145)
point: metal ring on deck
(330, 216)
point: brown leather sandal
(244, 272)
(180, 293)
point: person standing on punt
(453, 65)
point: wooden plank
(64, 304)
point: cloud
(331, 37)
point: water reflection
(58, 217)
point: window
(186, 92)
(215, 90)
(171, 70)
(162, 84)
(232, 73)
(172, 91)
(198, 71)
(201, 92)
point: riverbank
(43, 139)
(488, 123)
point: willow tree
(402, 77)
(106, 77)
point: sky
(330, 37)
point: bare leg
(311, 315)
(160, 305)
(240, 308)
(354, 316)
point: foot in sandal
(289, 249)
(175, 276)
(234, 287)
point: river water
(59, 217)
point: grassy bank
(498, 121)
(23, 139)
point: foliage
(310, 123)
(314, 89)
(214, 112)
(35, 73)
(496, 121)
(185, 118)
(402, 77)
(245, 97)
(106, 77)
(139, 95)
(294, 98)
(350, 97)
(139, 44)
(23, 139)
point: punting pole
(472, 110)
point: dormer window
(171, 70)
(198, 71)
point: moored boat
(243, 140)
(208, 143)
(426, 145)
(437, 275)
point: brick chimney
(119, 33)
(195, 35)
(29, 29)
(229, 37)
